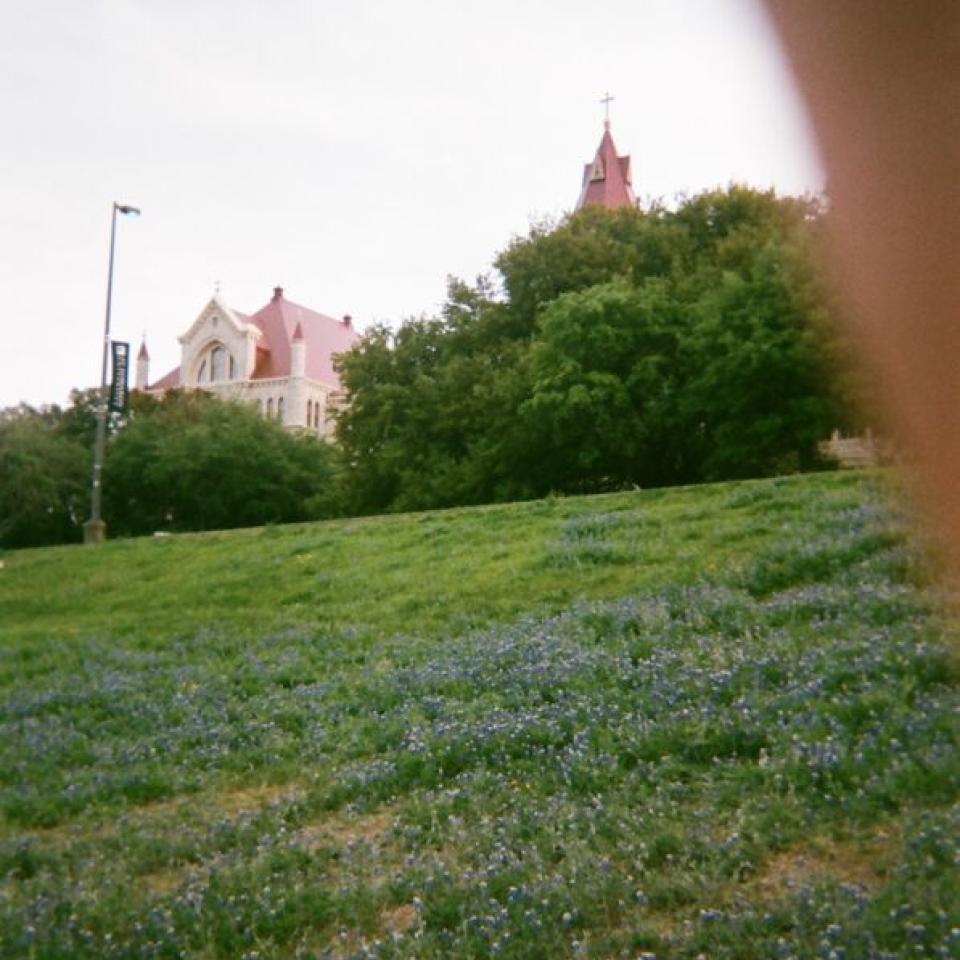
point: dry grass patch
(861, 862)
(335, 832)
(399, 919)
(224, 803)
(161, 883)
(343, 830)
(234, 803)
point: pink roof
(168, 381)
(281, 322)
(323, 338)
(606, 181)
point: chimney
(347, 320)
(278, 293)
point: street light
(95, 530)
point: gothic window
(269, 407)
(218, 361)
(217, 364)
(280, 405)
(309, 412)
(316, 416)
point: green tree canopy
(44, 479)
(189, 461)
(621, 347)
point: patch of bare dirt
(233, 803)
(162, 882)
(861, 862)
(399, 919)
(226, 803)
(341, 831)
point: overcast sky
(354, 152)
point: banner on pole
(119, 393)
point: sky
(354, 152)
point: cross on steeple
(607, 180)
(606, 109)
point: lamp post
(95, 530)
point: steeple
(607, 180)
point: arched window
(269, 407)
(218, 363)
(233, 368)
(202, 375)
(309, 412)
(280, 406)
(316, 415)
(259, 408)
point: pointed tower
(298, 353)
(297, 392)
(143, 367)
(607, 181)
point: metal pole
(95, 530)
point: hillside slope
(707, 721)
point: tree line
(184, 461)
(610, 349)
(616, 348)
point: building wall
(266, 394)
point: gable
(215, 321)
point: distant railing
(852, 452)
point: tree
(604, 375)
(191, 462)
(44, 479)
(627, 346)
(431, 407)
(590, 247)
(759, 395)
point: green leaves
(190, 462)
(633, 347)
(44, 480)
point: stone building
(279, 358)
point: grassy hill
(713, 721)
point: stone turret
(143, 367)
(298, 353)
(297, 391)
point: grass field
(703, 722)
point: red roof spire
(297, 332)
(143, 355)
(607, 180)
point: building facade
(280, 359)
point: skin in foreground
(882, 85)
